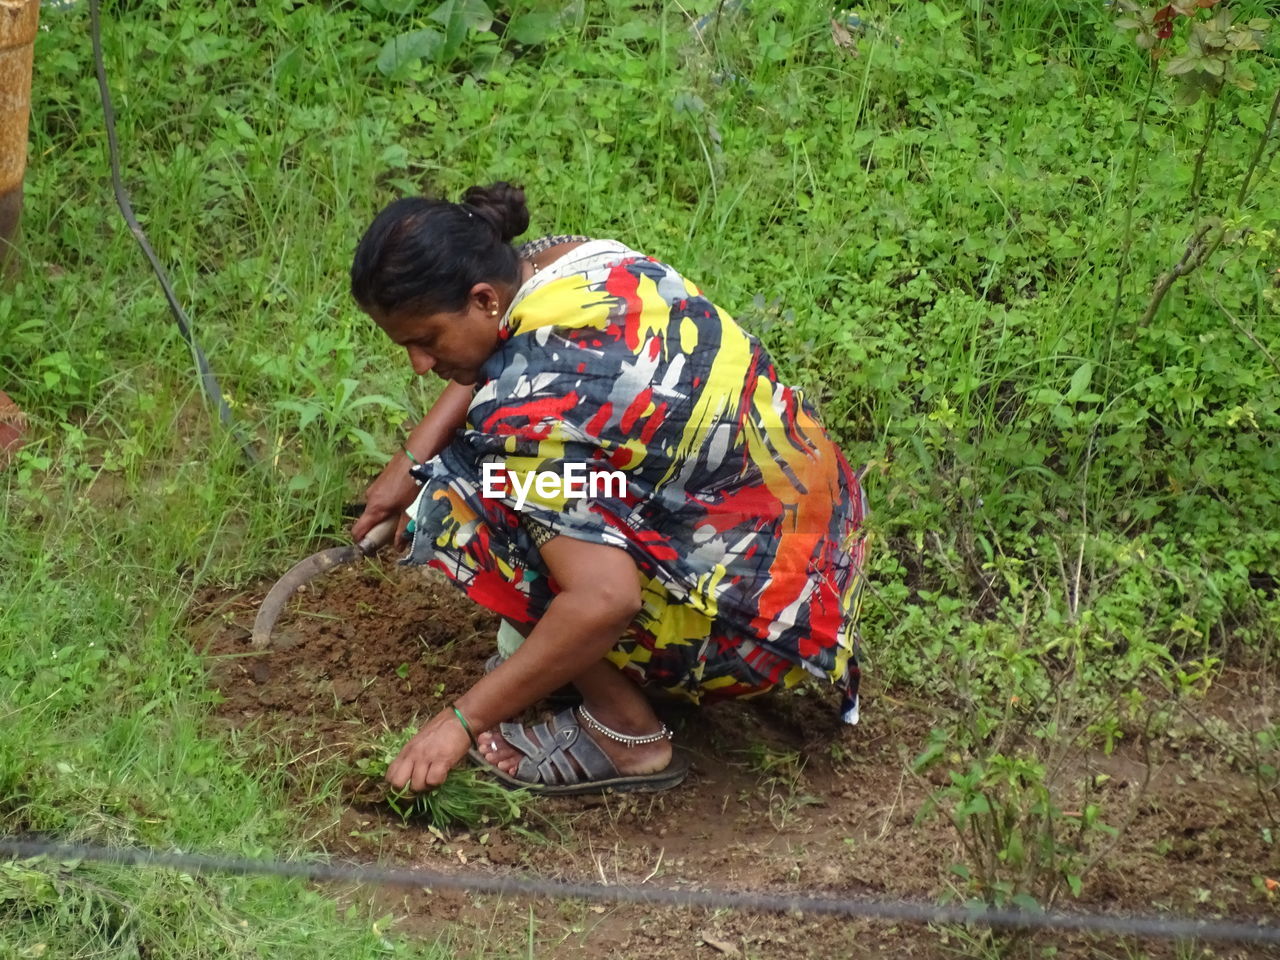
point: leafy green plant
(1207, 64)
(1021, 848)
(1015, 749)
(1210, 59)
(1266, 769)
(465, 29)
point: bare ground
(781, 798)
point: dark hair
(426, 254)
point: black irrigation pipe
(1135, 925)
(208, 382)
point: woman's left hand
(432, 752)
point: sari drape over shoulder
(743, 517)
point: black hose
(208, 382)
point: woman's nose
(420, 360)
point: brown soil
(13, 423)
(375, 646)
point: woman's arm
(599, 596)
(394, 489)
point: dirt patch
(366, 643)
(13, 427)
(781, 798)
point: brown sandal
(571, 763)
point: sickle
(309, 569)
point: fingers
(425, 761)
(391, 492)
(373, 515)
(417, 775)
(399, 773)
(362, 526)
(431, 778)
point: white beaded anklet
(623, 738)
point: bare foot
(629, 760)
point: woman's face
(453, 344)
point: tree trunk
(17, 36)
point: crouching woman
(615, 469)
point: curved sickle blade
(308, 569)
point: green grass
(104, 700)
(927, 235)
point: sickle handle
(309, 569)
(379, 536)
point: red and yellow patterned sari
(742, 516)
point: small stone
(346, 689)
(724, 946)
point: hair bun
(503, 205)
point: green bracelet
(412, 458)
(466, 726)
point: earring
(493, 313)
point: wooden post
(18, 19)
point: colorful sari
(742, 516)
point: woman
(722, 557)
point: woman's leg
(617, 703)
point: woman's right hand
(395, 490)
(391, 494)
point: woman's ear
(485, 297)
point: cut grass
(466, 799)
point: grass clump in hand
(465, 799)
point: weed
(466, 799)
(782, 783)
